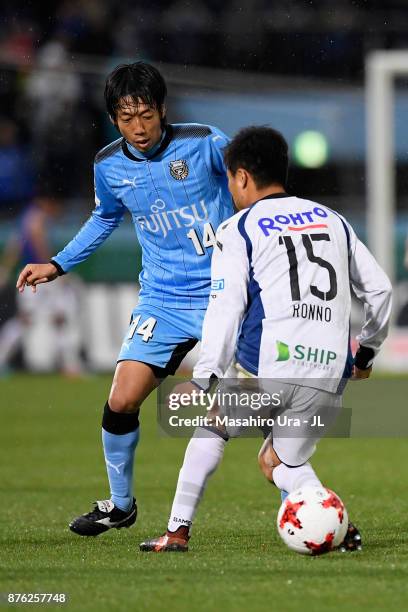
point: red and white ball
(312, 521)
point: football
(312, 521)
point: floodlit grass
(52, 468)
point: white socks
(290, 479)
(202, 457)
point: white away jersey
(280, 296)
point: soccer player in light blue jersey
(172, 180)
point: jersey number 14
(208, 239)
(145, 329)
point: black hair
(261, 151)
(139, 81)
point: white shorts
(306, 416)
(302, 417)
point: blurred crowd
(307, 37)
(52, 118)
(48, 114)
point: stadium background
(300, 67)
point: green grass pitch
(52, 469)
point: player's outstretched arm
(106, 216)
(373, 288)
(34, 274)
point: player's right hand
(35, 274)
(358, 374)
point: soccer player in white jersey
(282, 272)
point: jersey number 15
(293, 266)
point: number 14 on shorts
(144, 329)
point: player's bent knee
(268, 460)
(120, 402)
(119, 423)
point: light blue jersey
(177, 197)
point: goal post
(382, 67)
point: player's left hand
(358, 374)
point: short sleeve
(217, 142)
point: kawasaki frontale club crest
(179, 169)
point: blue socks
(119, 456)
(120, 436)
